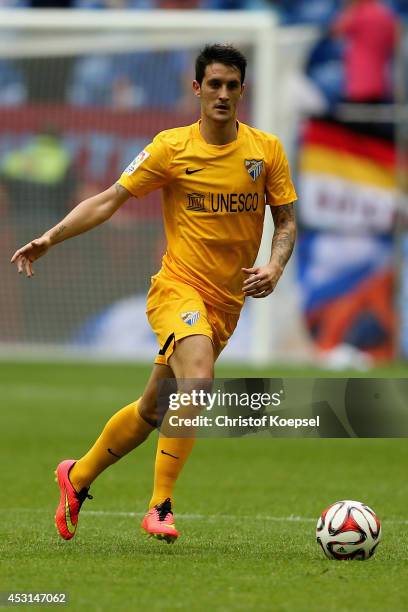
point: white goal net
(81, 93)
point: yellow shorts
(176, 310)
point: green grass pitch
(247, 508)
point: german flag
(347, 181)
(347, 205)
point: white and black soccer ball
(348, 530)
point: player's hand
(24, 257)
(261, 280)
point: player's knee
(199, 368)
(196, 380)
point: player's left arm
(262, 280)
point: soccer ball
(348, 530)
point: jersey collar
(230, 145)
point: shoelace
(83, 495)
(164, 509)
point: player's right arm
(86, 215)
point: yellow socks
(171, 455)
(122, 433)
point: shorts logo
(190, 317)
(143, 155)
(196, 201)
(254, 167)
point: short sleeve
(279, 186)
(150, 170)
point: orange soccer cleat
(159, 522)
(66, 516)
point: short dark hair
(220, 54)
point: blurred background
(85, 85)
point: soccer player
(217, 177)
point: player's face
(219, 92)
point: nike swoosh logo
(70, 526)
(193, 171)
(169, 454)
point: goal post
(30, 38)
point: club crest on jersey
(143, 155)
(190, 317)
(254, 167)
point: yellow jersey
(214, 201)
